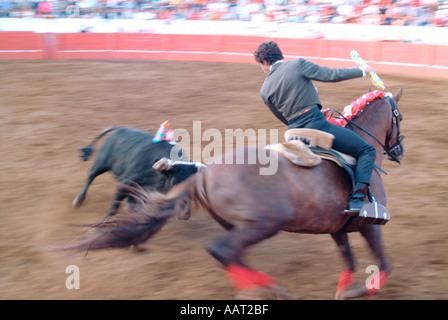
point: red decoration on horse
(355, 107)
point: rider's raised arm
(313, 71)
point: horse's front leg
(346, 276)
(372, 234)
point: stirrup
(358, 204)
(370, 213)
(352, 212)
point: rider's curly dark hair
(268, 51)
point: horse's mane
(356, 108)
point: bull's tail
(88, 150)
(152, 211)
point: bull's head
(166, 164)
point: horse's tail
(151, 212)
(88, 150)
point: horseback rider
(289, 93)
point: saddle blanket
(304, 146)
(307, 148)
(297, 152)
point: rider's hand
(368, 69)
(326, 112)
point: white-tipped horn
(163, 164)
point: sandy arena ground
(51, 109)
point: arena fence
(385, 56)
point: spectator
(388, 12)
(391, 14)
(441, 16)
(346, 12)
(195, 14)
(371, 14)
(424, 18)
(112, 7)
(145, 14)
(59, 8)
(5, 7)
(45, 8)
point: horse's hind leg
(345, 277)
(251, 284)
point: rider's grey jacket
(288, 89)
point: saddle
(307, 147)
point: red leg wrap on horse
(245, 278)
(345, 279)
(377, 282)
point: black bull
(130, 154)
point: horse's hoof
(273, 292)
(281, 293)
(352, 293)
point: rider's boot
(356, 200)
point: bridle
(396, 150)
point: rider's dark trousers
(345, 141)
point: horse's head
(394, 140)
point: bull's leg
(94, 172)
(346, 276)
(249, 283)
(120, 194)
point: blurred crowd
(378, 12)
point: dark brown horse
(254, 207)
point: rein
(395, 119)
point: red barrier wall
(22, 45)
(392, 57)
(83, 46)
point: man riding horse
(289, 93)
(253, 207)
